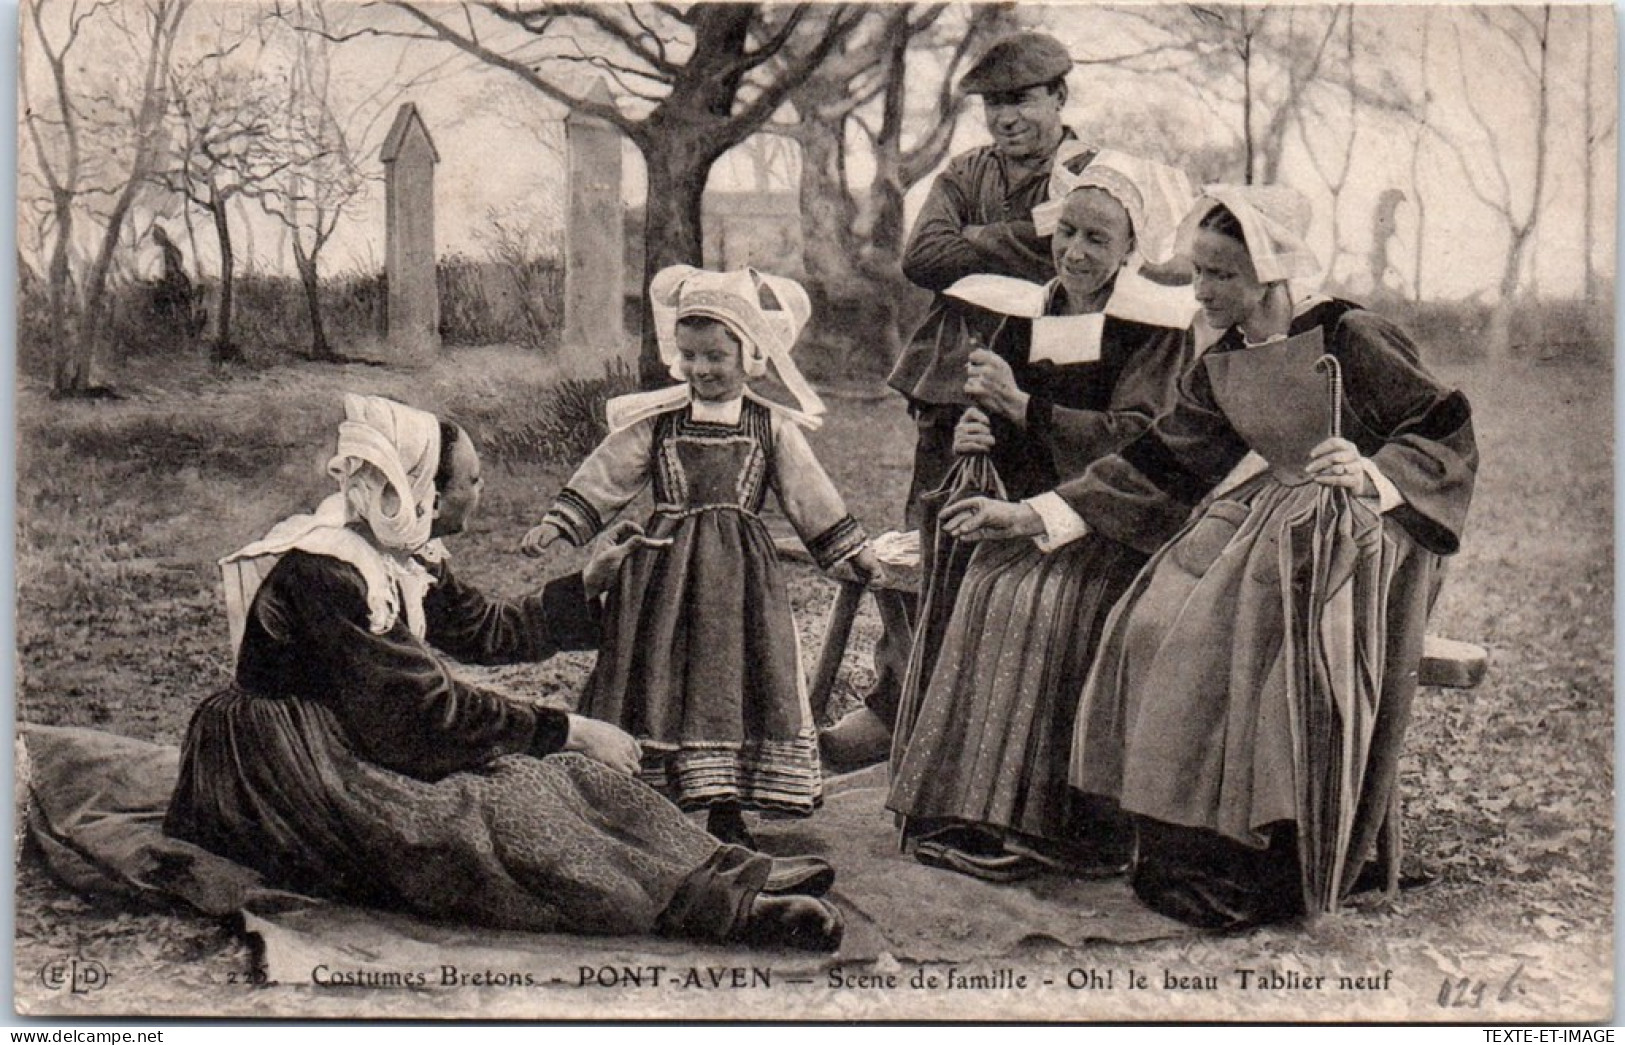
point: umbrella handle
(1334, 388)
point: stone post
(595, 234)
(409, 159)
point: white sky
(499, 147)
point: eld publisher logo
(78, 975)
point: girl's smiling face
(713, 361)
(1225, 282)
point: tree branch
(608, 113)
(769, 48)
(595, 15)
(1501, 204)
(842, 22)
(648, 30)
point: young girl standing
(700, 659)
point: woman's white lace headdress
(387, 459)
(765, 312)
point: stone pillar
(409, 159)
(595, 235)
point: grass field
(123, 507)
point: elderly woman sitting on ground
(346, 760)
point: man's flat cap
(1017, 62)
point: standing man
(977, 219)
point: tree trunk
(98, 306)
(886, 190)
(306, 264)
(672, 235)
(223, 348)
(1523, 238)
(67, 375)
(827, 212)
(1247, 102)
(1588, 168)
(1416, 162)
(854, 286)
(1498, 338)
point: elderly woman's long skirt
(556, 844)
(990, 744)
(1190, 721)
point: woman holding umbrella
(1073, 370)
(1250, 696)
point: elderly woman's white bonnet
(1154, 194)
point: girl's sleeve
(1141, 495)
(810, 501)
(1078, 438)
(398, 701)
(605, 483)
(1428, 450)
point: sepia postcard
(719, 512)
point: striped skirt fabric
(991, 744)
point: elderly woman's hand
(538, 538)
(619, 541)
(973, 434)
(1337, 462)
(985, 519)
(866, 564)
(611, 745)
(991, 385)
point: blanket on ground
(96, 810)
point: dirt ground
(123, 506)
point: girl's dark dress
(699, 659)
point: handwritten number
(1512, 986)
(1461, 993)
(1467, 993)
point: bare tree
(1418, 132)
(1527, 34)
(321, 175)
(702, 78)
(1334, 171)
(54, 128)
(898, 70)
(94, 139)
(1601, 120)
(1250, 65)
(1281, 52)
(327, 132)
(773, 162)
(229, 145)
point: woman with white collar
(1251, 692)
(347, 760)
(1073, 370)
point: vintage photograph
(828, 511)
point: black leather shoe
(861, 738)
(800, 923)
(727, 824)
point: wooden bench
(1447, 663)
